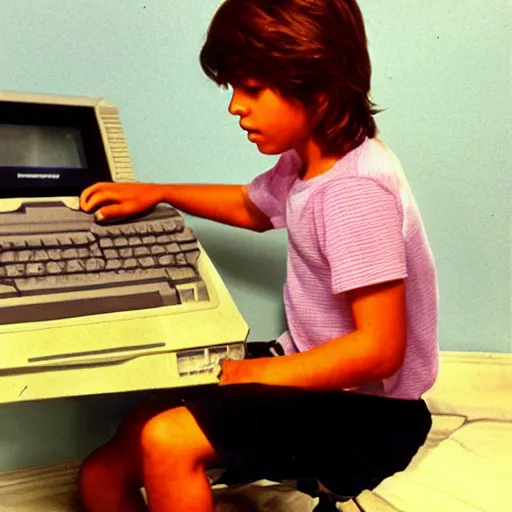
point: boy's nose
(236, 107)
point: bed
(465, 465)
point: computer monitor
(154, 314)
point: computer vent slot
(117, 143)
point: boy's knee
(165, 432)
(176, 434)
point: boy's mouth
(250, 132)
(248, 129)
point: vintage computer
(87, 308)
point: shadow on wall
(253, 267)
(258, 259)
(61, 430)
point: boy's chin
(270, 152)
(266, 149)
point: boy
(344, 403)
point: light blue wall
(442, 70)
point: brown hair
(303, 49)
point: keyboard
(58, 263)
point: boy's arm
(228, 204)
(372, 352)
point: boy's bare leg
(111, 477)
(176, 455)
(107, 481)
(173, 452)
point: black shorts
(348, 441)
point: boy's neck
(314, 162)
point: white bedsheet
(465, 465)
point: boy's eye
(252, 88)
(251, 84)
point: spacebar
(72, 305)
(76, 282)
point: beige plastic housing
(109, 124)
(114, 352)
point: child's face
(274, 123)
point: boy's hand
(112, 201)
(241, 372)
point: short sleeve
(269, 190)
(361, 234)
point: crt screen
(41, 147)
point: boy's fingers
(113, 211)
(86, 195)
(102, 198)
(92, 196)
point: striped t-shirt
(353, 226)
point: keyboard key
(35, 269)
(111, 254)
(157, 249)
(98, 230)
(83, 252)
(156, 227)
(54, 267)
(55, 254)
(41, 256)
(114, 264)
(7, 257)
(172, 248)
(146, 262)
(106, 242)
(178, 274)
(113, 231)
(128, 230)
(142, 229)
(188, 247)
(25, 256)
(147, 240)
(64, 241)
(94, 250)
(167, 259)
(185, 236)
(192, 257)
(70, 253)
(180, 259)
(16, 270)
(80, 239)
(130, 263)
(134, 241)
(170, 226)
(141, 251)
(50, 242)
(73, 266)
(126, 252)
(94, 264)
(120, 242)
